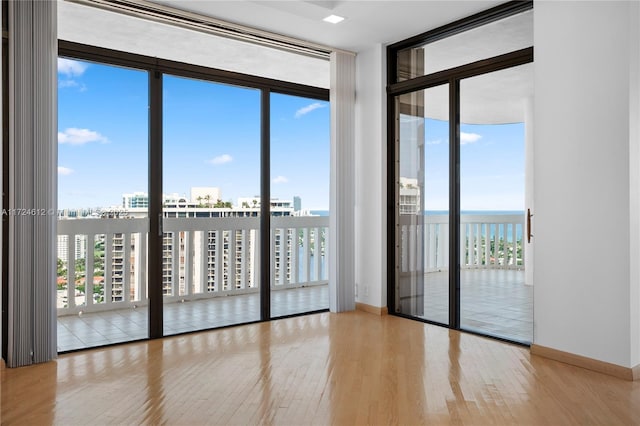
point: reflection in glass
(423, 204)
(494, 297)
(211, 169)
(300, 148)
(492, 39)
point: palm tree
(208, 198)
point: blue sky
(211, 138)
(491, 164)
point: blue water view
(492, 231)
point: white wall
(371, 175)
(583, 180)
(634, 164)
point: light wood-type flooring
(351, 368)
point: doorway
(457, 184)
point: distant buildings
(211, 260)
(409, 199)
(137, 200)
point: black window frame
(451, 76)
(157, 68)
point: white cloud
(67, 83)
(466, 138)
(434, 142)
(70, 68)
(306, 110)
(74, 136)
(221, 159)
(280, 179)
(64, 171)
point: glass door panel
(422, 232)
(494, 297)
(211, 167)
(103, 217)
(299, 154)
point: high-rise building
(409, 196)
(209, 260)
(135, 200)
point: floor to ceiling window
(423, 203)
(103, 216)
(299, 163)
(167, 198)
(211, 162)
(459, 102)
(494, 298)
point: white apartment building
(226, 259)
(409, 196)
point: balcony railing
(491, 241)
(202, 258)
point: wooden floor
(345, 369)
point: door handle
(529, 234)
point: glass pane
(102, 157)
(494, 112)
(423, 204)
(300, 144)
(211, 166)
(489, 40)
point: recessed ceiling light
(334, 19)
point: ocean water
(492, 231)
(519, 230)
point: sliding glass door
(103, 144)
(422, 237)
(299, 162)
(191, 198)
(459, 101)
(211, 165)
(494, 297)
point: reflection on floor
(493, 301)
(104, 328)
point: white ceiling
(494, 98)
(367, 22)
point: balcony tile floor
(117, 326)
(495, 302)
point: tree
(219, 204)
(62, 269)
(199, 201)
(245, 205)
(208, 199)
